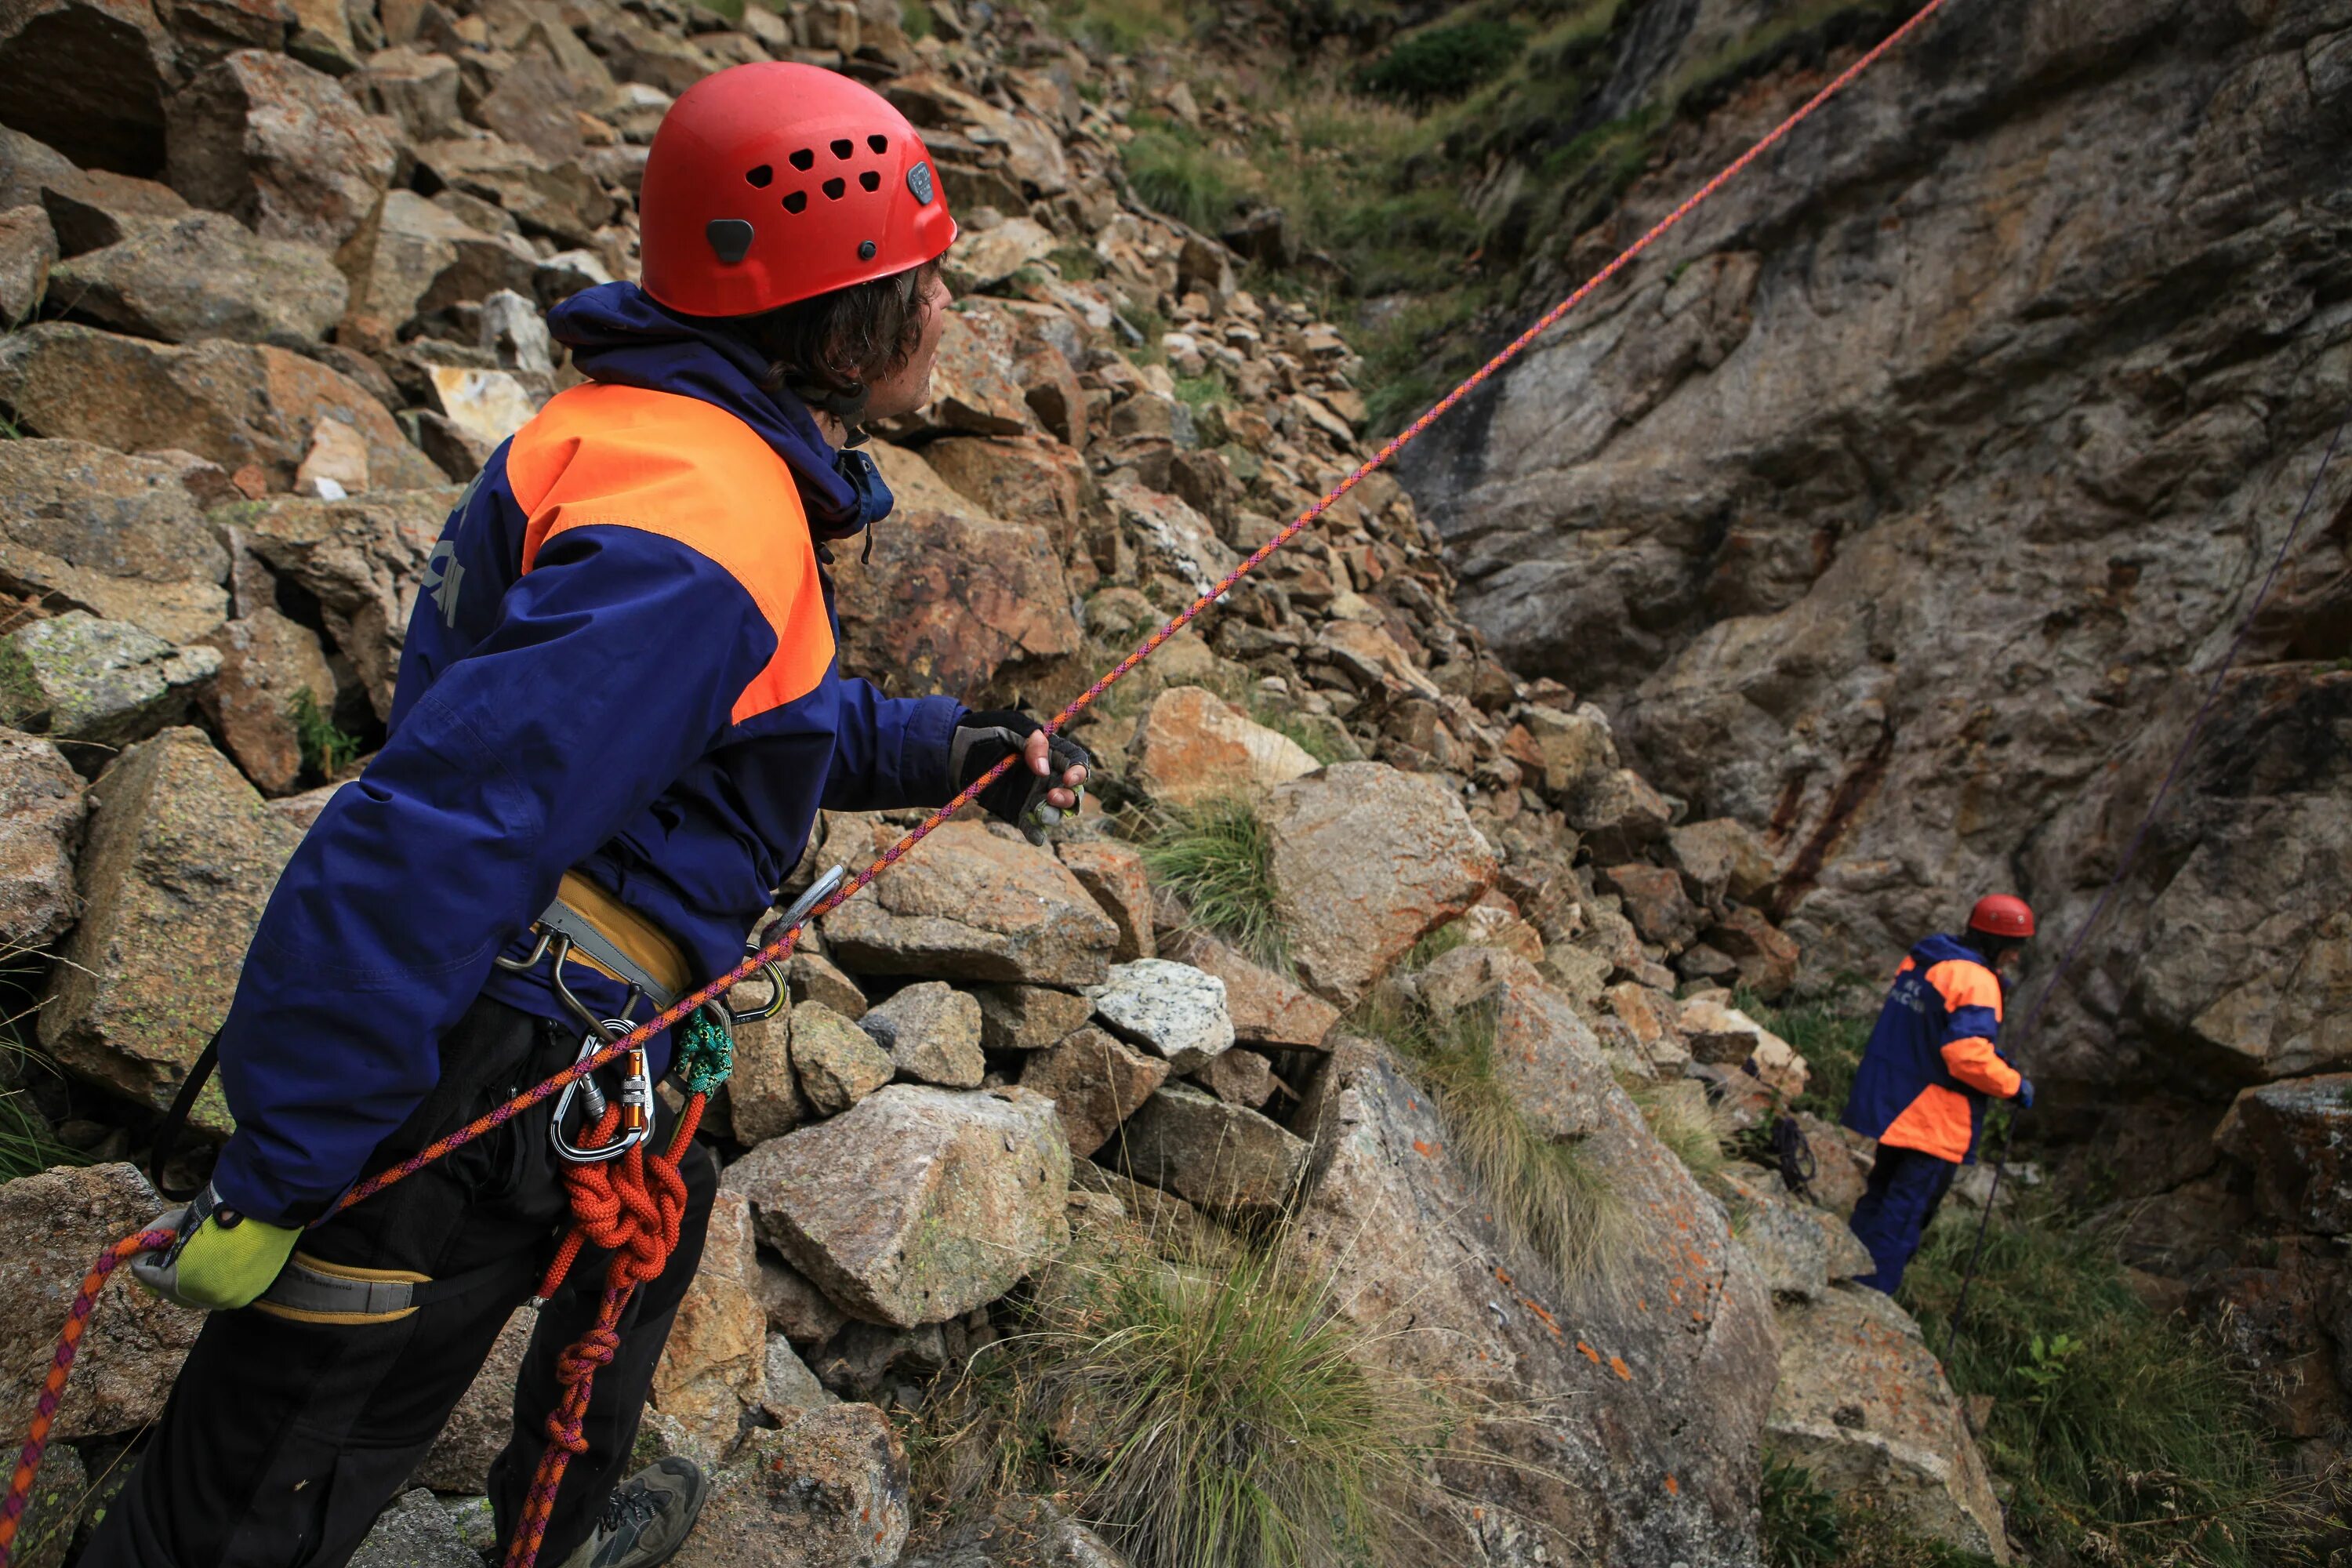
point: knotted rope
(582, 1361)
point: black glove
(983, 740)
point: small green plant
(1200, 391)
(1078, 263)
(1442, 62)
(1680, 1116)
(915, 19)
(326, 748)
(1798, 1528)
(1217, 857)
(21, 697)
(27, 1144)
(2127, 1438)
(1173, 173)
(1201, 1414)
(1545, 1192)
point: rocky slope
(277, 274)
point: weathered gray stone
(836, 1063)
(28, 250)
(1718, 857)
(1228, 1160)
(1619, 815)
(1114, 874)
(41, 810)
(279, 146)
(1022, 1532)
(795, 1308)
(234, 404)
(269, 663)
(1096, 1081)
(1175, 1009)
(1862, 1404)
(1545, 1056)
(1605, 1381)
(181, 855)
(364, 558)
(2297, 1136)
(813, 977)
(1267, 1008)
(788, 1387)
(105, 683)
(559, 199)
(90, 529)
(53, 1226)
(932, 1032)
(416, 90)
(713, 1368)
(1366, 861)
(1800, 1249)
(1029, 1017)
(413, 257)
(968, 904)
(207, 276)
(919, 1204)
(1237, 1078)
(827, 1491)
(415, 1532)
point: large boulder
(41, 809)
(827, 1491)
(969, 904)
(181, 859)
(362, 558)
(235, 403)
(1545, 1056)
(1366, 861)
(1863, 1405)
(413, 257)
(91, 529)
(88, 77)
(918, 1205)
(1226, 1159)
(713, 1367)
(281, 147)
(1029, 479)
(102, 683)
(951, 595)
(207, 276)
(1630, 1402)
(53, 1226)
(2297, 1136)
(1193, 746)
(269, 663)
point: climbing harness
(2131, 855)
(630, 1204)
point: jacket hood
(619, 336)
(1941, 949)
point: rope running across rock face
(627, 1235)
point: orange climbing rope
(633, 1211)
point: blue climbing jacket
(622, 662)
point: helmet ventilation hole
(870, 180)
(759, 176)
(834, 188)
(804, 159)
(844, 148)
(879, 143)
(796, 201)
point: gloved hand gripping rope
(632, 1205)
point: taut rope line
(582, 1359)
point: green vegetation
(1442, 62)
(915, 19)
(1216, 857)
(21, 697)
(1200, 391)
(326, 749)
(1546, 1193)
(1076, 262)
(28, 1143)
(1829, 1040)
(1805, 1527)
(1173, 170)
(1120, 27)
(2128, 1439)
(1201, 1415)
(1682, 1118)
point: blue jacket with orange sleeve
(622, 662)
(1931, 1060)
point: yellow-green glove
(223, 1259)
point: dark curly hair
(825, 351)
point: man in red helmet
(619, 712)
(1931, 1064)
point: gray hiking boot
(647, 1519)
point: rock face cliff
(1900, 508)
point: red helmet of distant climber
(772, 182)
(2000, 914)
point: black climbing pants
(283, 1440)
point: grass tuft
(2128, 1439)
(1174, 173)
(1681, 1117)
(1199, 1415)
(1547, 1195)
(1218, 858)
(1442, 62)
(1830, 1040)
(21, 697)
(915, 19)
(1804, 1527)
(326, 748)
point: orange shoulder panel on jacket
(626, 457)
(1965, 984)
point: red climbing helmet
(772, 182)
(2000, 914)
